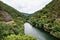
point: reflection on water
(39, 34)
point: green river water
(39, 34)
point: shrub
(6, 29)
(20, 37)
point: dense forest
(12, 24)
(48, 18)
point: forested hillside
(12, 21)
(48, 18)
(12, 24)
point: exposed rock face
(4, 16)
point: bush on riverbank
(20, 37)
(6, 30)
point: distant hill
(26, 14)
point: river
(39, 34)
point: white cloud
(27, 6)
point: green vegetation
(18, 18)
(48, 18)
(7, 32)
(6, 29)
(10, 30)
(19, 37)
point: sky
(27, 6)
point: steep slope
(13, 12)
(12, 24)
(18, 18)
(11, 21)
(48, 18)
(4, 16)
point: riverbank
(38, 33)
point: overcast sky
(27, 6)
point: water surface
(39, 34)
